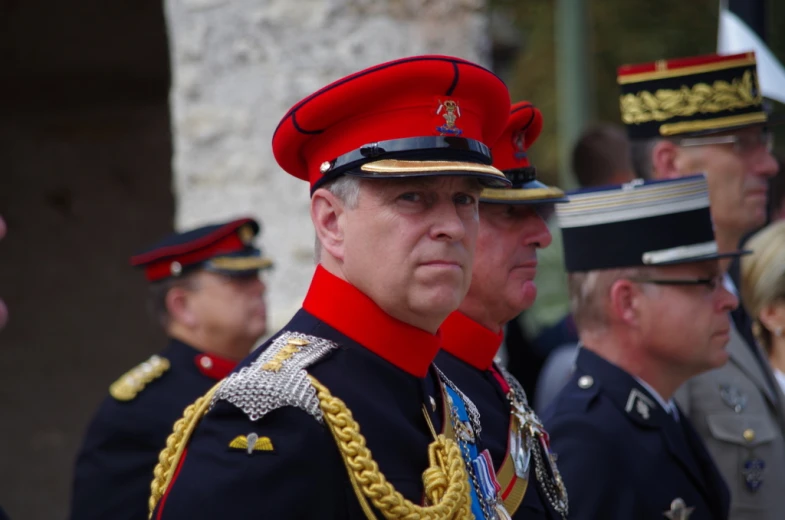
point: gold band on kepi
(690, 96)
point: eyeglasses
(743, 144)
(712, 283)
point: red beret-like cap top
(523, 128)
(418, 116)
(510, 155)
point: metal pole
(574, 80)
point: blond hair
(763, 275)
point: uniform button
(749, 435)
(433, 403)
(206, 362)
(585, 381)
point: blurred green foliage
(621, 32)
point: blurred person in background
(763, 293)
(708, 117)
(206, 293)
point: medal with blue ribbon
(486, 501)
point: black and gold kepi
(511, 156)
(691, 96)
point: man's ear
(623, 300)
(178, 306)
(327, 215)
(663, 157)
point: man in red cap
(511, 232)
(337, 416)
(206, 293)
(707, 115)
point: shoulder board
(132, 382)
(277, 378)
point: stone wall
(238, 66)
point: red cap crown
(523, 129)
(415, 97)
(225, 248)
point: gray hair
(589, 293)
(347, 189)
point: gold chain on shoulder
(446, 481)
(175, 445)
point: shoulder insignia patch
(277, 378)
(251, 442)
(128, 386)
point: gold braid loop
(175, 446)
(446, 481)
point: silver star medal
(679, 510)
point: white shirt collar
(669, 406)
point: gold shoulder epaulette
(132, 382)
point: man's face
(505, 262)
(409, 244)
(687, 326)
(230, 309)
(737, 175)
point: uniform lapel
(743, 357)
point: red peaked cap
(510, 155)
(523, 129)
(407, 100)
(224, 248)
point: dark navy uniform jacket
(120, 449)
(467, 360)
(381, 369)
(622, 456)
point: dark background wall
(84, 182)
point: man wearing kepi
(337, 416)
(651, 310)
(706, 114)
(206, 293)
(511, 232)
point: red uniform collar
(349, 311)
(214, 367)
(469, 341)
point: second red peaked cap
(511, 156)
(418, 116)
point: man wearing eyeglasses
(651, 310)
(706, 114)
